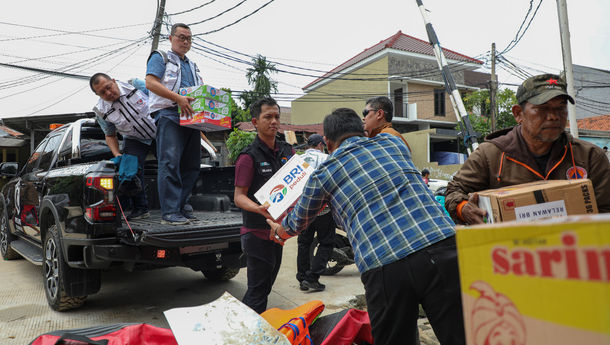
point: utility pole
(493, 88)
(157, 26)
(566, 49)
(470, 139)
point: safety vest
(129, 114)
(265, 165)
(171, 79)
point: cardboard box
(538, 200)
(542, 282)
(206, 91)
(212, 108)
(285, 187)
(207, 121)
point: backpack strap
(163, 55)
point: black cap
(542, 88)
(315, 139)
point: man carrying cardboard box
(178, 147)
(536, 149)
(404, 244)
(255, 165)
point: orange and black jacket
(504, 160)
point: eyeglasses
(184, 38)
(365, 112)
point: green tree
(259, 77)
(505, 100)
(238, 114)
(237, 141)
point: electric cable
(219, 14)
(192, 9)
(235, 22)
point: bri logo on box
(295, 175)
(277, 193)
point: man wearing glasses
(178, 148)
(377, 115)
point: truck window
(47, 153)
(93, 145)
(34, 160)
(65, 152)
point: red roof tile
(402, 42)
(595, 123)
(11, 131)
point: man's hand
(185, 105)
(471, 212)
(277, 233)
(262, 210)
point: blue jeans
(139, 149)
(179, 155)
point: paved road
(143, 296)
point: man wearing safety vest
(178, 147)
(124, 108)
(536, 149)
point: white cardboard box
(285, 187)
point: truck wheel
(6, 238)
(55, 271)
(220, 274)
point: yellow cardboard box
(538, 200)
(536, 283)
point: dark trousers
(179, 155)
(428, 277)
(263, 261)
(139, 149)
(324, 226)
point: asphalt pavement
(142, 296)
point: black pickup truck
(62, 211)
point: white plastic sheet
(223, 321)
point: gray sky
(312, 34)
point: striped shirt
(378, 197)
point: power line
(219, 14)
(237, 21)
(64, 32)
(518, 38)
(192, 9)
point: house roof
(595, 123)
(314, 128)
(398, 41)
(6, 131)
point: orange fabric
(294, 323)
(310, 311)
(459, 209)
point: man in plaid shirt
(403, 242)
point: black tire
(220, 274)
(6, 237)
(56, 273)
(332, 266)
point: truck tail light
(104, 209)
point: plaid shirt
(378, 197)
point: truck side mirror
(9, 169)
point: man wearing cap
(308, 273)
(536, 149)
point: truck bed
(210, 227)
